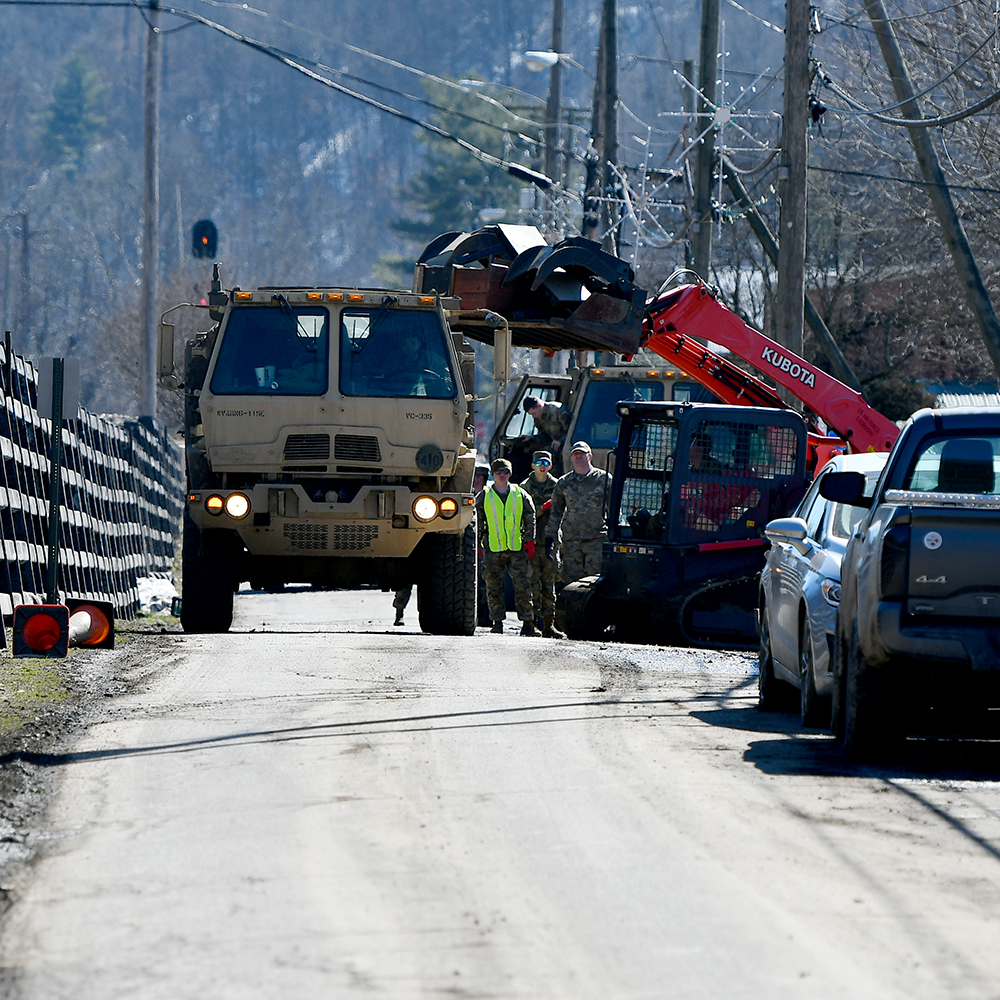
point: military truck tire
(446, 596)
(580, 613)
(814, 708)
(207, 586)
(869, 733)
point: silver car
(800, 591)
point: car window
(814, 517)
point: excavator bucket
(571, 295)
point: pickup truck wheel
(207, 586)
(446, 595)
(772, 695)
(813, 707)
(869, 732)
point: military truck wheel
(208, 581)
(446, 596)
(814, 709)
(870, 734)
(579, 612)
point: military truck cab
(590, 395)
(329, 438)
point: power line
(904, 180)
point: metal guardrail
(121, 500)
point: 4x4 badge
(932, 540)
(926, 579)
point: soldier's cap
(581, 446)
(482, 470)
(541, 454)
(501, 463)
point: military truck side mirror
(165, 358)
(845, 487)
(501, 347)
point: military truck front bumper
(282, 520)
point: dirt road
(319, 805)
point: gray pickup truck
(918, 627)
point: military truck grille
(351, 538)
(306, 536)
(355, 448)
(307, 448)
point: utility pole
(790, 295)
(603, 130)
(937, 187)
(553, 145)
(708, 85)
(151, 210)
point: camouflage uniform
(552, 423)
(516, 563)
(543, 568)
(577, 523)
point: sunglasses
(543, 461)
(502, 472)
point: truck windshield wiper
(311, 343)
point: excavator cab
(693, 486)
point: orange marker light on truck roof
(335, 296)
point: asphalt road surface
(318, 805)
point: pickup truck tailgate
(954, 564)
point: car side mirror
(845, 487)
(790, 530)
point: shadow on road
(793, 750)
(484, 718)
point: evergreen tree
(73, 121)
(455, 190)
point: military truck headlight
(237, 505)
(215, 504)
(425, 508)
(449, 507)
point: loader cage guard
(690, 474)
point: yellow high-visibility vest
(503, 520)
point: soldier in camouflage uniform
(552, 421)
(506, 518)
(576, 526)
(541, 484)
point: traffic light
(204, 238)
(41, 630)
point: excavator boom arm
(691, 311)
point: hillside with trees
(329, 140)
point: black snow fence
(122, 490)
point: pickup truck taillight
(895, 562)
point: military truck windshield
(394, 352)
(273, 351)
(597, 422)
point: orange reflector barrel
(91, 624)
(41, 630)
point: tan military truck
(589, 395)
(329, 438)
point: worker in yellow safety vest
(506, 517)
